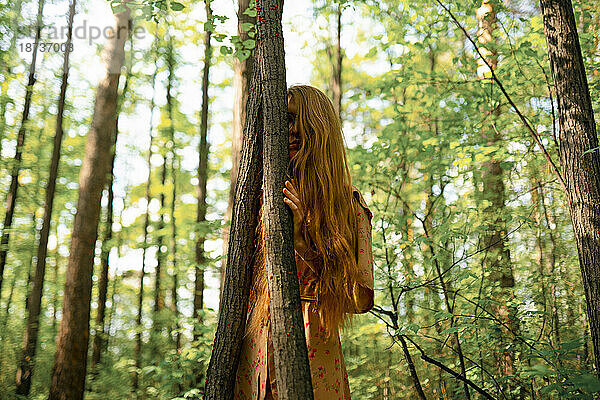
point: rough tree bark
(579, 152)
(266, 107)
(202, 178)
(99, 342)
(34, 303)
(69, 369)
(242, 72)
(220, 377)
(287, 324)
(11, 198)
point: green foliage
(417, 120)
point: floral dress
(256, 368)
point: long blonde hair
(323, 182)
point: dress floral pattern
(256, 368)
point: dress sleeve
(364, 256)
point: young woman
(332, 241)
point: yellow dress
(329, 377)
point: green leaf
(250, 12)
(209, 26)
(175, 6)
(247, 26)
(371, 53)
(249, 43)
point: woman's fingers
(294, 205)
(293, 202)
(291, 186)
(292, 197)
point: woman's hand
(292, 199)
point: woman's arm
(363, 293)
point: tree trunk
(173, 163)
(268, 94)
(202, 179)
(159, 299)
(497, 262)
(551, 267)
(138, 336)
(287, 326)
(100, 336)
(7, 72)
(11, 198)
(98, 343)
(25, 369)
(336, 77)
(579, 154)
(28, 286)
(231, 324)
(242, 72)
(56, 285)
(69, 370)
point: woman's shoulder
(358, 196)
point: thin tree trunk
(202, 179)
(138, 322)
(113, 304)
(292, 371)
(113, 307)
(138, 336)
(11, 292)
(336, 77)
(159, 299)
(412, 369)
(551, 267)
(497, 261)
(4, 97)
(173, 161)
(25, 370)
(69, 370)
(540, 251)
(11, 198)
(30, 258)
(56, 285)
(579, 155)
(242, 72)
(98, 343)
(394, 313)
